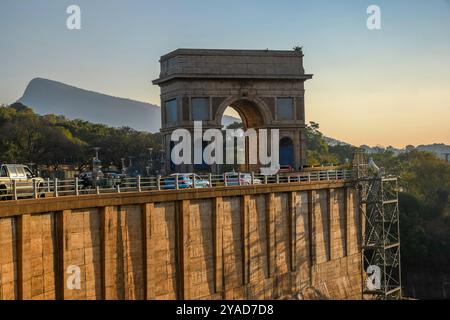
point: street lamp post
(130, 159)
(162, 162)
(130, 166)
(150, 161)
(124, 169)
(96, 160)
(96, 165)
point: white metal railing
(76, 187)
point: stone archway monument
(265, 87)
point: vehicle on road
(113, 178)
(245, 179)
(185, 181)
(285, 168)
(90, 180)
(22, 179)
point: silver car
(19, 180)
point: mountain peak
(49, 96)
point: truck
(18, 181)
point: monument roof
(232, 64)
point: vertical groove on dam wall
(272, 244)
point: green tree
(317, 151)
(53, 140)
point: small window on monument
(200, 109)
(171, 111)
(285, 109)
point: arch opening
(232, 119)
(247, 111)
(241, 114)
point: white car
(245, 179)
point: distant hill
(334, 142)
(51, 97)
(47, 96)
(437, 148)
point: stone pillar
(218, 244)
(24, 257)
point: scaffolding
(378, 205)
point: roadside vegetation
(54, 140)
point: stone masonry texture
(301, 244)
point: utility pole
(150, 161)
(162, 162)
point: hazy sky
(389, 86)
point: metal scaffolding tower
(378, 204)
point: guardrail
(77, 187)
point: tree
(236, 125)
(424, 209)
(53, 140)
(317, 151)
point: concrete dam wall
(297, 241)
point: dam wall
(300, 241)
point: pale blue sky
(377, 87)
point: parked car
(24, 179)
(232, 179)
(185, 180)
(113, 178)
(285, 168)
